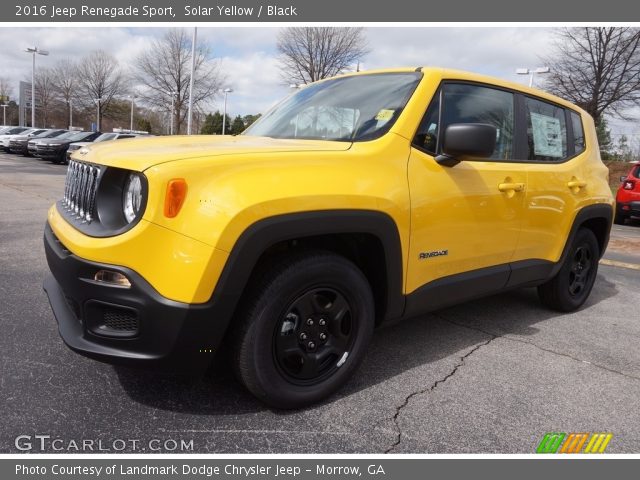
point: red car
(628, 197)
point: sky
(249, 60)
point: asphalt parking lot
(490, 376)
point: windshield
(49, 134)
(15, 131)
(78, 136)
(356, 108)
(106, 136)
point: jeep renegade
(353, 203)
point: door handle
(510, 186)
(576, 184)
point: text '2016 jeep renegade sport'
(355, 202)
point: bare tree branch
(65, 79)
(99, 77)
(166, 67)
(598, 68)
(46, 92)
(313, 53)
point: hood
(20, 138)
(142, 153)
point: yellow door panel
(472, 211)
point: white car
(5, 139)
(12, 131)
(105, 137)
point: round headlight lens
(132, 197)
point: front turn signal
(176, 193)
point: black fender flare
(598, 211)
(257, 238)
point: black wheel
(571, 286)
(304, 329)
(619, 218)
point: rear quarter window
(578, 132)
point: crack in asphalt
(432, 388)
(548, 350)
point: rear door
(554, 157)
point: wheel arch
(598, 218)
(340, 231)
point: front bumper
(18, 148)
(134, 326)
(47, 152)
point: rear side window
(546, 131)
(468, 103)
(578, 133)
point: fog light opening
(112, 278)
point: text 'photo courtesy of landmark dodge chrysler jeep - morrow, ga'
(355, 202)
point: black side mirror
(467, 140)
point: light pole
(531, 72)
(98, 100)
(226, 91)
(173, 110)
(33, 51)
(132, 97)
(4, 113)
(193, 71)
(70, 113)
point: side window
(546, 131)
(578, 132)
(476, 104)
(467, 103)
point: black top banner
(305, 11)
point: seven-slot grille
(80, 190)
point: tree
(598, 68)
(213, 124)
(313, 53)
(165, 69)
(623, 149)
(99, 77)
(45, 93)
(604, 138)
(143, 125)
(5, 90)
(249, 119)
(65, 79)
(237, 127)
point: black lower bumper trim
(170, 335)
(633, 209)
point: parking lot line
(615, 263)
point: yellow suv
(355, 202)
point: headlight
(132, 201)
(55, 144)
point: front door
(465, 219)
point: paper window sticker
(384, 115)
(547, 135)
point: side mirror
(623, 178)
(467, 140)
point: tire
(619, 219)
(571, 286)
(280, 353)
